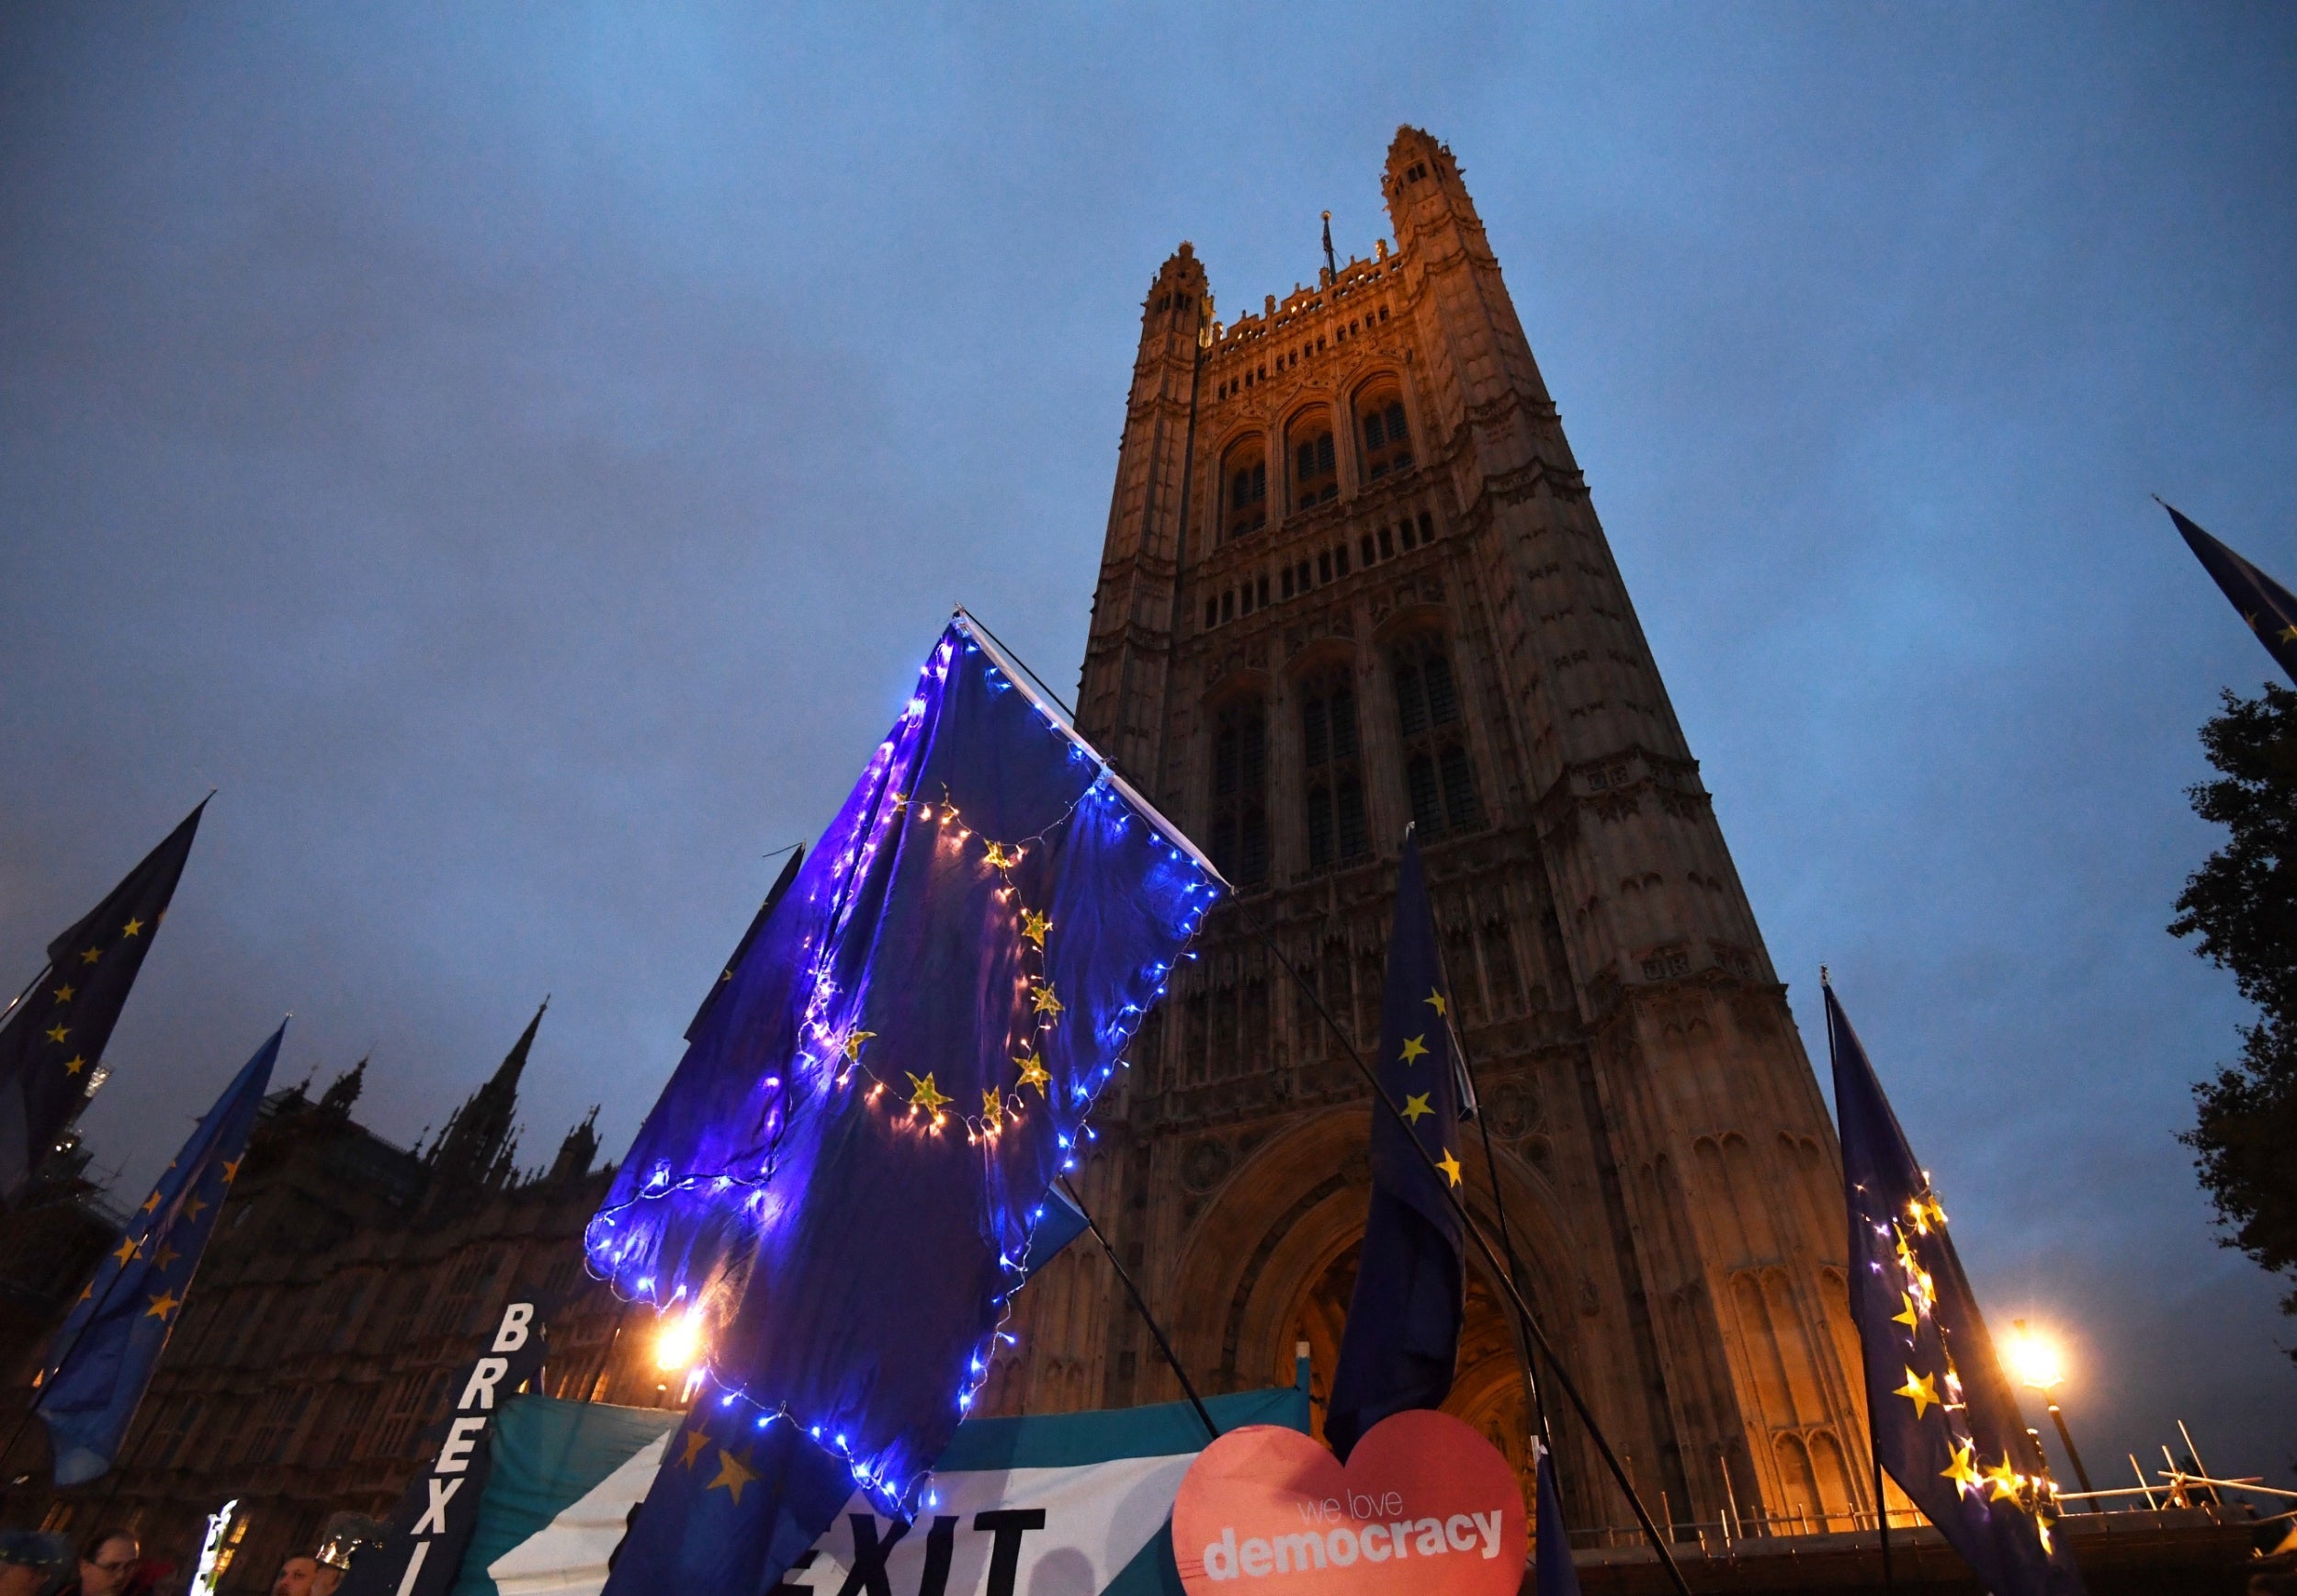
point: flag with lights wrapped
(1944, 1417)
(101, 1361)
(839, 1185)
(1403, 1330)
(51, 1045)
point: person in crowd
(32, 1562)
(110, 1562)
(304, 1576)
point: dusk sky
(519, 456)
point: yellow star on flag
(2002, 1481)
(85, 1292)
(1434, 1000)
(1034, 925)
(75, 1064)
(133, 928)
(1962, 1470)
(1921, 1390)
(163, 1257)
(1416, 1106)
(1450, 1166)
(168, 1302)
(231, 1169)
(128, 1248)
(1041, 994)
(1414, 1048)
(1034, 1072)
(57, 1033)
(924, 1095)
(151, 1202)
(63, 993)
(853, 1045)
(192, 1205)
(1909, 1317)
(731, 1475)
(91, 956)
(2288, 634)
(696, 1441)
(992, 1108)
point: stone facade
(346, 1281)
(1354, 579)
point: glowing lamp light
(678, 1344)
(2036, 1360)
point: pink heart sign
(1425, 1505)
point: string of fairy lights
(2034, 1495)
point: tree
(2241, 905)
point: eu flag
(1403, 1332)
(1945, 1420)
(102, 1359)
(2268, 607)
(841, 1181)
(53, 1040)
(1554, 1573)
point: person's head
(31, 1561)
(326, 1579)
(298, 1576)
(107, 1558)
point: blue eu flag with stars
(841, 1186)
(1945, 1420)
(2269, 608)
(102, 1359)
(1403, 1332)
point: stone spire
(344, 1090)
(475, 1151)
(578, 1151)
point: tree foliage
(2242, 906)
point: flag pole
(1140, 1305)
(1492, 1258)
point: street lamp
(2040, 1367)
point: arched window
(1386, 437)
(1245, 493)
(1239, 793)
(1334, 774)
(1439, 782)
(1314, 469)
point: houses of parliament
(1352, 581)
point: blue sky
(519, 454)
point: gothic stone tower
(1354, 579)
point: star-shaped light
(63, 993)
(851, 1045)
(2002, 1481)
(1921, 1390)
(696, 1441)
(1034, 1072)
(1041, 994)
(91, 956)
(924, 1095)
(732, 1475)
(1034, 925)
(992, 1107)
(998, 859)
(1415, 1106)
(133, 928)
(57, 1033)
(1414, 1048)
(900, 802)
(1434, 1000)
(1961, 1469)
(168, 1302)
(1450, 1166)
